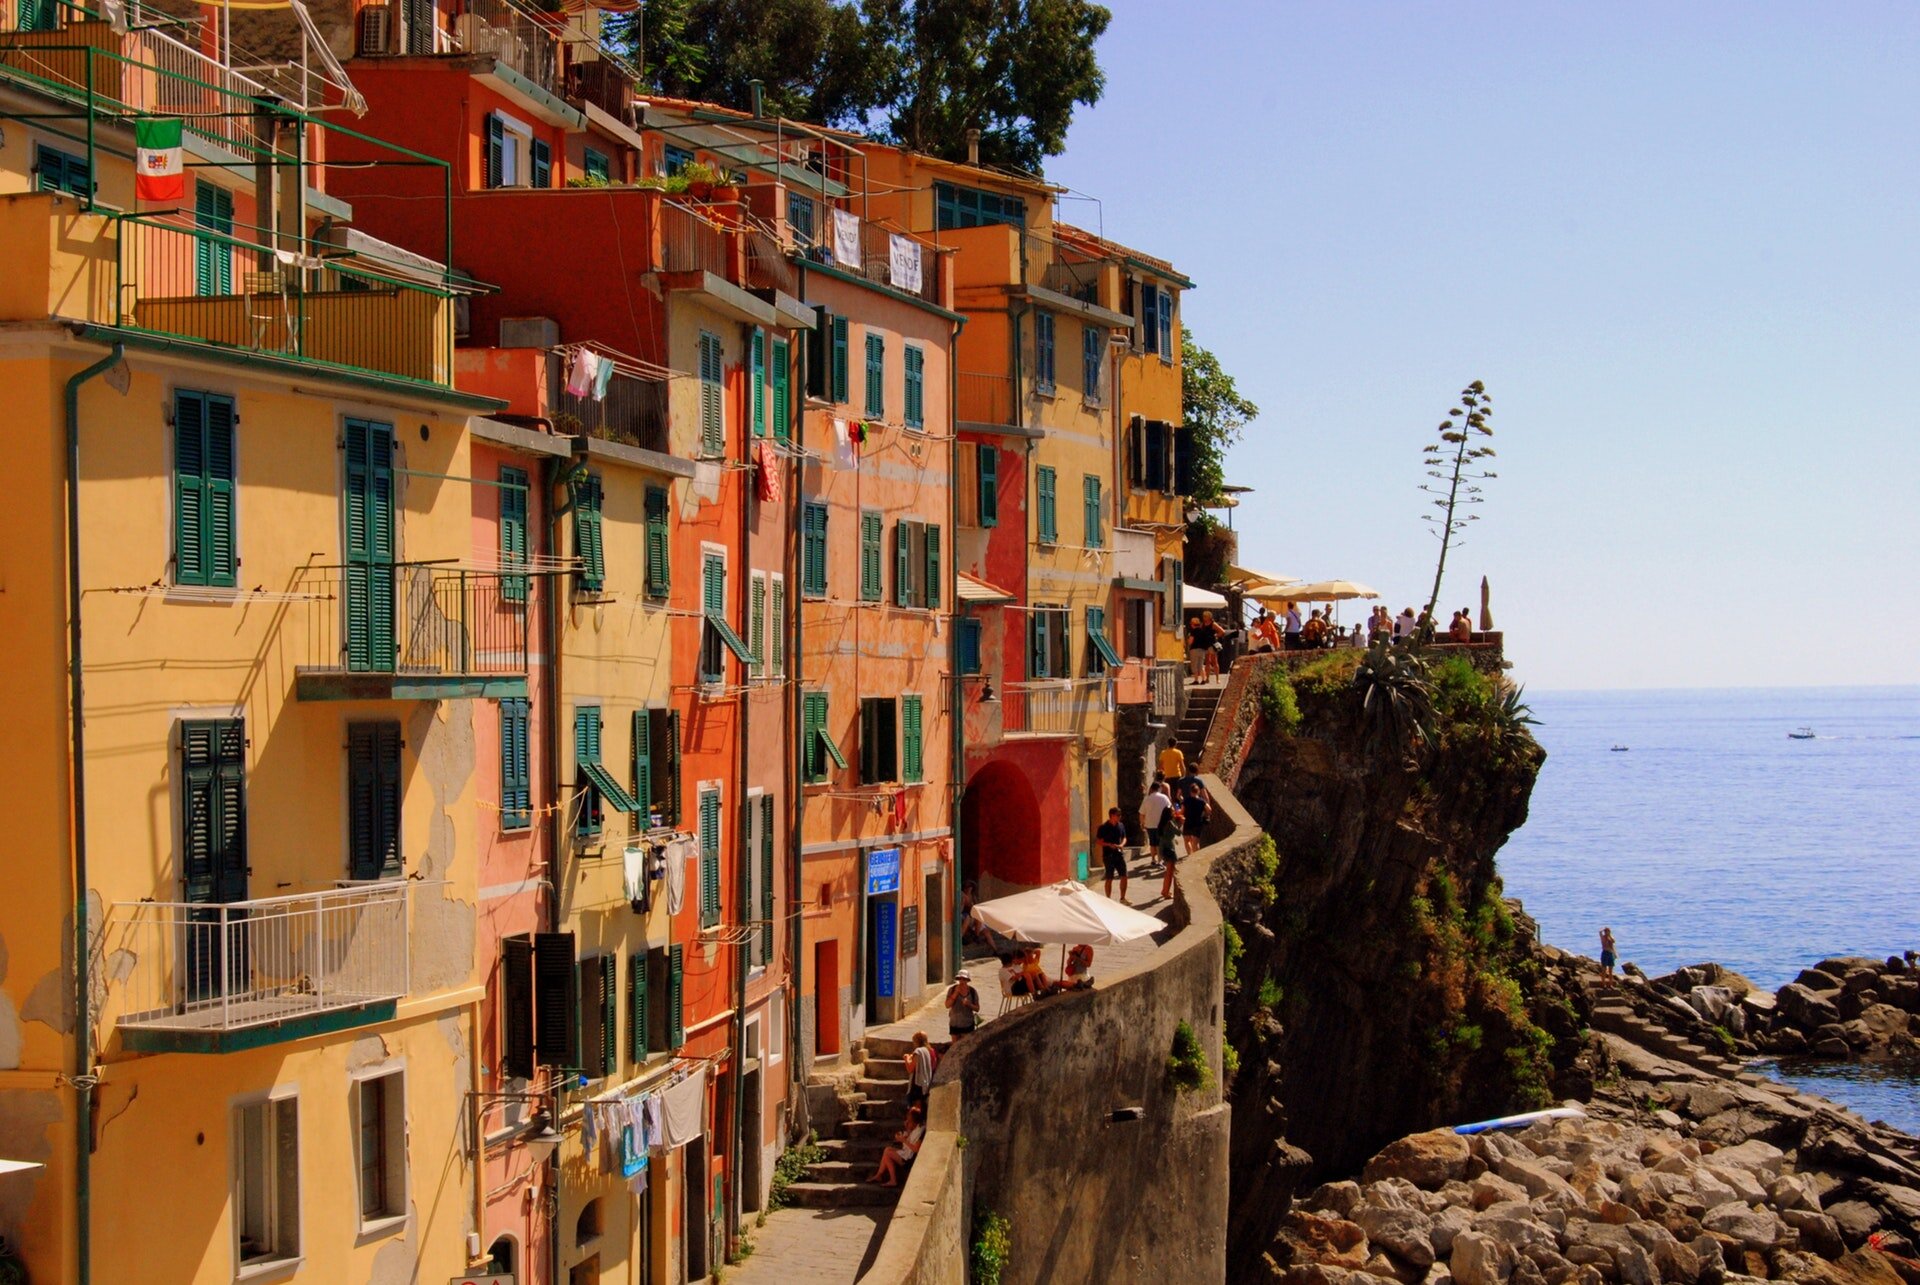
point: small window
(503, 1256)
(1048, 653)
(879, 740)
(595, 785)
(1043, 370)
(588, 551)
(598, 167)
(60, 171)
(876, 375)
(800, 219)
(599, 1015)
(713, 422)
(266, 1181)
(709, 858)
(373, 801)
(916, 398)
(1093, 347)
(987, 460)
(813, 550)
(1046, 516)
(1091, 516)
(204, 485)
(380, 1107)
(871, 525)
(965, 207)
(516, 789)
(677, 159)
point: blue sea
(1715, 836)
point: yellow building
(250, 637)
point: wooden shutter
(637, 1032)
(643, 765)
(713, 439)
(876, 375)
(916, 409)
(1149, 317)
(1036, 644)
(1154, 456)
(766, 878)
(586, 749)
(587, 545)
(609, 1014)
(814, 539)
(1059, 652)
(819, 355)
(369, 523)
(839, 359)
(782, 394)
(496, 150)
(1166, 325)
(1044, 509)
(989, 483)
(917, 563)
(213, 810)
(659, 548)
(1137, 450)
(513, 531)
(966, 645)
(373, 793)
(757, 623)
(813, 725)
(1183, 460)
(556, 1000)
(516, 1005)
(757, 373)
(542, 153)
(910, 735)
(966, 483)
(1090, 510)
(777, 644)
(709, 858)
(676, 1008)
(931, 585)
(870, 566)
(902, 563)
(516, 794)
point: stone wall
(1061, 1118)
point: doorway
(752, 1129)
(696, 1236)
(882, 948)
(933, 916)
(826, 998)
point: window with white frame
(777, 1027)
(266, 1181)
(380, 1147)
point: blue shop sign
(883, 871)
(883, 945)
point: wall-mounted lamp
(546, 1140)
(986, 693)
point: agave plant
(1514, 712)
(1395, 695)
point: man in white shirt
(1153, 812)
(1403, 625)
(1293, 626)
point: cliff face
(1383, 987)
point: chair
(1008, 999)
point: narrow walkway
(807, 1245)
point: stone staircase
(840, 1181)
(1192, 734)
(1614, 1014)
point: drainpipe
(744, 830)
(957, 712)
(77, 792)
(550, 475)
(796, 683)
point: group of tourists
(1206, 639)
(921, 1062)
(1409, 625)
(1291, 631)
(1174, 815)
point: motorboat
(1800, 734)
(1618, 749)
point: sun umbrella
(1246, 578)
(1195, 596)
(1318, 591)
(1067, 913)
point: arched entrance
(1001, 833)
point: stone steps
(856, 1151)
(876, 1131)
(883, 1090)
(840, 1195)
(886, 1111)
(884, 1049)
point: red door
(826, 998)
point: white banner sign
(903, 263)
(846, 240)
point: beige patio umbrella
(1248, 580)
(1317, 591)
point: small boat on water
(1800, 734)
(1618, 749)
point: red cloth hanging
(767, 473)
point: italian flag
(158, 172)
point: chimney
(973, 147)
(756, 90)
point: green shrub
(1328, 674)
(1235, 949)
(1266, 865)
(791, 1167)
(1230, 1057)
(1187, 1065)
(1278, 705)
(992, 1244)
(1270, 993)
(1460, 691)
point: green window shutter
(496, 150)
(676, 1008)
(916, 410)
(777, 642)
(757, 368)
(587, 545)
(516, 794)
(766, 878)
(709, 858)
(988, 467)
(757, 624)
(1037, 645)
(713, 604)
(813, 730)
(516, 1004)
(1149, 317)
(369, 529)
(659, 547)
(910, 735)
(373, 797)
(814, 561)
(212, 257)
(1092, 343)
(966, 644)
(870, 573)
(586, 750)
(663, 754)
(782, 395)
(839, 359)
(189, 488)
(819, 356)
(637, 1008)
(643, 765)
(1090, 499)
(213, 801)
(1043, 351)
(1044, 511)
(1100, 652)
(932, 574)
(902, 564)
(609, 1014)
(876, 376)
(542, 154)
(713, 437)
(597, 164)
(1166, 326)
(513, 532)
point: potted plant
(700, 178)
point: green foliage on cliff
(1271, 992)
(1187, 1065)
(992, 1246)
(1278, 705)
(1235, 949)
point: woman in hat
(963, 1005)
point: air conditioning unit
(376, 30)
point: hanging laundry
(900, 811)
(679, 852)
(843, 456)
(656, 1109)
(589, 1130)
(686, 1109)
(766, 462)
(602, 378)
(862, 430)
(633, 869)
(580, 376)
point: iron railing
(272, 294)
(690, 243)
(1165, 679)
(986, 398)
(514, 38)
(417, 619)
(1061, 707)
(876, 262)
(198, 966)
(633, 412)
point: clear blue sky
(1680, 243)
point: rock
(1333, 1197)
(1856, 1033)
(1817, 1231)
(1438, 1274)
(1793, 1191)
(1710, 1002)
(1817, 979)
(1865, 1267)
(1425, 1159)
(1324, 1274)
(1856, 1220)
(1669, 1119)
(1840, 965)
(1755, 1229)
(1312, 1239)
(1746, 1185)
(1479, 1259)
(1456, 1193)
(1884, 1020)
(1901, 1201)
(1832, 1048)
(1405, 1233)
(1703, 1100)
(1635, 1267)
(1384, 1266)
(1756, 1157)
(1592, 1256)
(1490, 1189)
(1393, 1193)
(1446, 1227)
(1805, 1008)
(1536, 1178)
(1619, 1215)
(1517, 1234)
(1713, 1263)
(1755, 1263)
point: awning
(979, 592)
(1318, 591)
(19, 1166)
(1066, 913)
(611, 790)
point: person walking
(1173, 762)
(1194, 813)
(1169, 846)
(1607, 956)
(963, 1005)
(1153, 812)
(1212, 638)
(921, 1061)
(1112, 835)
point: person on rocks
(1112, 835)
(921, 1061)
(906, 1145)
(963, 1005)
(1607, 956)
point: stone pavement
(808, 1245)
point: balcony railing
(1058, 708)
(408, 631)
(209, 977)
(515, 38)
(986, 399)
(1165, 680)
(690, 243)
(288, 297)
(633, 412)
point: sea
(1696, 827)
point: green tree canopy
(813, 57)
(1215, 412)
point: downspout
(77, 793)
(550, 468)
(743, 831)
(957, 713)
(795, 683)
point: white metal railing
(222, 966)
(1165, 680)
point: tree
(1214, 411)
(1455, 482)
(814, 58)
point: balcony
(986, 399)
(218, 978)
(633, 412)
(1052, 707)
(525, 44)
(412, 631)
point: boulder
(1479, 1259)
(1793, 1191)
(1446, 1227)
(1817, 979)
(1392, 1193)
(1817, 1231)
(1333, 1197)
(1755, 1156)
(1386, 1267)
(1836, 1049)
(1325, 1274)
(1856, 1220)
(1804, 1007)
(1424, 1159)
(1536, 1178)
(1713, 1263)
(1517, 1234)
(1745, 1184)
(1308, 1238)
(1884, 1020)
(1407, 1234)
(1438, 1274)
(1754, 1229)
(1710, 1002)
(1490, 1189)
(1840, 965)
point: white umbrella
(1195, 596)
(1318, 591)
(1068, 913)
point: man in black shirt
(1113, 847)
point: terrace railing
(515, 38)
(633, 412)
(986, 398)
(416, 619)
(1165, 679)
(691, 243)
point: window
(514, 156)
(879, 740)
(1045, 506)
(597, 166)
(818, 749)
(677, 159)
(587, 1227)
(800, 218)
(637, 1015)
(1171, 604)
(713, 425)
(1047, 648)
(213, 835)
(827, 357)
(203, 490)
(987, 468)
(1043, 351)
(38, 15)
(666, 1030)
(1153, 466)
(965, 207)
(516, 791)
(1100, 652)
(876, 375)
(757, 379)
(911, 746)
(709, 857)
(556, 1000)
(266, 1180)
(380, 1130)
(541, 169)
(658, 544)
(599, 1015)
(586, 494)
(777, 626)
(813, 549)
(212, 257)
(513, 532)
(595, 784)
(757, 622)
(782, 394)
(966, 645)
(916, 409)
(656, 766)
(61, 171)
(870, 527)
(1183, 460)
(373, 801)
(716, 636)
(839, 359)
(1150, 317)
(368, 505)
(1166, 326)
(1090, 510)
(1093, 347)
(916, 565)
(766, 878)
